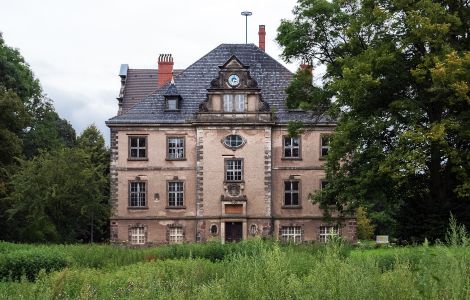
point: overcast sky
(75, 47)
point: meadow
(252, 269)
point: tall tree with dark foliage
(398, 73)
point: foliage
(28, 263)
(457, 234)
(398, 73)
(365, 230)
(55, 194)
(275, 272)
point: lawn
(253, 269)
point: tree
(399, 73)
(54, 195)
(365, 230)
(91, 141)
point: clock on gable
(233, 80)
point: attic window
(172, 104)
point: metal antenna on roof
(246, 14)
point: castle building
(204, 153)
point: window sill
(292, 206)
(172, 110)
(175, 159)
(234, 181)
(291, 158)
(137, 159)
(137, 207)
(175, 207)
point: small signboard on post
(381, 239)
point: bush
(28, 263)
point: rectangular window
(234, 102)
(327, 232)
(228, 103)
(137, 147)
(172, 104)
(291, 193)
(291, 234)
(175, 193)
(240, 103)
(175, 146)
(323, 183)
(137, 194)
(291, 147)
(233, 170)
(176, 235)
(324, 145)
(137, 236)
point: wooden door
(233, 231)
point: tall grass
(260, 270)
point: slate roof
(192, 84)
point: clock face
(233, 80)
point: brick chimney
(165, 69)
(261, 36)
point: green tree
(365, 230)
(54, 196)
(91, 141)
(399, 73)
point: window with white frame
(291, 192)
(137, 147)
(137, 235)
(291, 147)
(175, 193)
(176, 235)
(171, 104)
(327, 232)
(324, 145)
(175, 146)
(234, 102)
(233, 170)
(291, 234)
(137, 194)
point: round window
(233, 141)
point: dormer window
(234, 103)
(172, 98)
(172, 104)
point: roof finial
(172, 80)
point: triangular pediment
(233, 63)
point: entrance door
(233, 231)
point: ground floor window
(326, 232)
(176, 235)
(291, 234)
(137, 236)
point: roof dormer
(172, 98)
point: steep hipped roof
(192, 84)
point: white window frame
(291, 234)
(327, 232)
(291, 147)
(234, 170)
(234, 102)
(292, 192)
(175, 147)
(175, 192)
(324, 148)
(137, 235)
(176, 235)
(140, 192)
(138, 147)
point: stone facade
(224, 167)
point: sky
(75, 47)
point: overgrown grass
(250, 270)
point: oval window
(233, 141)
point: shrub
(29, 263)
